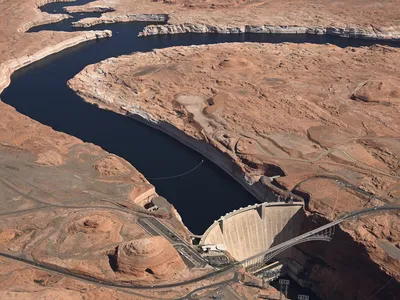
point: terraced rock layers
(283, 115)
(153, 256)
(350, 18)
(391, 34)
(10, 66)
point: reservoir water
(40, 92)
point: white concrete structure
(219, 248)
(254, 229)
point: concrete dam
(254, 229)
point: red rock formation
(152, 256)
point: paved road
(105, 283)
(343, 183)
(389, 248)
(220, 285)
(225, 270)
(189, 255)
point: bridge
(323, 233)
(259, 257)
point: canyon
(312, 122)
(352, 19)
(58, 192)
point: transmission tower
(284, 286)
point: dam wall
(254, 229)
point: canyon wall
(10, 66)
(392, 34)
(343, 268)
(89, 22)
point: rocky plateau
(351, 18)
(60, 196)
(313, 120)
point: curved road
(230, 268)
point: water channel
(40, 92)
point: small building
(218, 248)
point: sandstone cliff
(283, 114)
(153, 256)
(391, 33)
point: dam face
(254, 229)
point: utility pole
(284, 286)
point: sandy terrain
(62, 199)
(370, 19)
(69, 205)
(287, 12)
(318, 116)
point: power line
(176, 176)
(382, 287)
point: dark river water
(40, 92)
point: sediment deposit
(317, 120)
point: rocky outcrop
(44, 2)
(152, 257)
(49, 20)
(86, 9)
(10, 66)
(377, 91)
(204, 28)
(344, 268)
(372, 33)
(88, 22)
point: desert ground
(235, 12)
(317, 116)
(364, 18)
(317, 120)
(66, 203)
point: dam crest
(253, 229)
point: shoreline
(80, 9)
(387, 35)
(384, 34)
(51, 18)
(8, 67)
(57, 18)
(89, 22)
(41, 3)
(258, 190)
